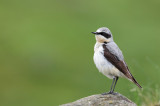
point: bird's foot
(110, 92)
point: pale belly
(105, 67)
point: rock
(102, 100)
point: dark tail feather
(134, 80)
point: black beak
(94, 32)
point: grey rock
(102, 100)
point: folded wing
(119, 64)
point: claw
(107, 93)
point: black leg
(115, 84)
(112, 84)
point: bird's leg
(114, 84)
(111, 90)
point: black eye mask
(106, 35)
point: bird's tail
(134, 80)
(130, 76)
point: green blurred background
(46, 48)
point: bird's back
(114, 49)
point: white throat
(102, 39)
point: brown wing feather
(120, 65)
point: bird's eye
(105, 34)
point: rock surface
(102, 100)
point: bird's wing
(119, 64)
(114, 49)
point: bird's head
(103, 35)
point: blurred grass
(46, 48)
(149, 96)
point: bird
(109, 59)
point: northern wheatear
(109, 59)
